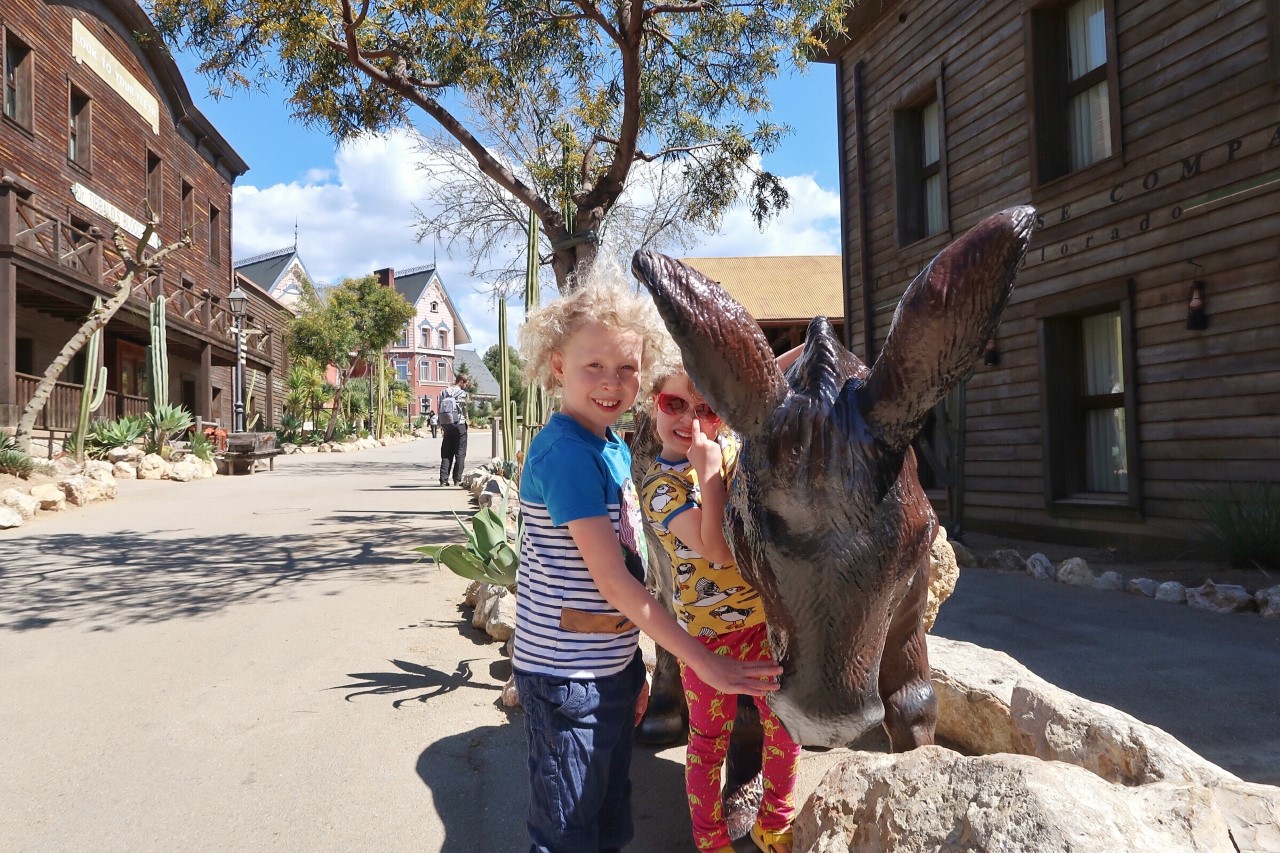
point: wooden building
(96, 125)
(782, 292)
(1138, 363)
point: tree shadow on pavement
(412, 677)
(110, 580)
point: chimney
(386, 277)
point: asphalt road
(258, 663)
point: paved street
(257, 663)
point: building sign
(89, 51)
(109, 211)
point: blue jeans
(580, 735)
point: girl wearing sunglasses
(683, 498)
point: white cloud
(358, 216)
(809, 226)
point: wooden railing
(93, 256)
(62, 410)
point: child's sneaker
(771, 841)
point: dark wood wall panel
(1194, 83)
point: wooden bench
(245, 448)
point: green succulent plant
(17, 463)
(488, 555)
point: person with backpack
(434, 424)
(453, 422)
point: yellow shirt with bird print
(711, 599)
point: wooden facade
(1182, 191)
(97, 125)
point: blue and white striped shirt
(564, 626)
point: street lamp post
(238, 300)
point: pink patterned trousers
(711, 715)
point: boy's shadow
(479, 788)
(658, 803)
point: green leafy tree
(344, 325)
(576, 93)
(515, 370)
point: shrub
(1244, 522)
(104, 435)
(165, 423)
(201, 447)
(16, 462)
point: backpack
(448, 408)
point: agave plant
(102, 436)
(17, 463)
(166, 422)
(488, 555)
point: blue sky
(353, 205)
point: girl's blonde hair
(603, 297)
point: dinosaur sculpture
(827, 517)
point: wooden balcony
(90, 258)
(62, 411)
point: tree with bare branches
(593, 87)
(139, 265)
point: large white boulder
(153, 466)
(988, 702)
(50, 496)
(81, 490)
(933, 799)
(20, 502)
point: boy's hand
(757, 678)
(642, 703)
(704, 453)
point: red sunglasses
(676, 406)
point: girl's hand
(727, 675)
(704, 453)
(642, 703)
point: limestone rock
(933, 799)
(81, 490)
(132, 453)
(965, 558)
(1005, 560)
(153, 467)
(1041, 567)
(1142, 586)
(65, 466)
(9, 518)
(988, 702)
(944, 571)
(480, 616)
(1220, 598)
(124, 471)
(207, 469)
(1109, 581)
(1171, 591)
(50, 497)
(1074, 571)
(1268, 601)
(510, 693)
(186, 470)
(472, 593)
(501, 621)
(99, 470)
(20, 502)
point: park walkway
(257, 663)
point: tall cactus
(505, 404)
(158, 357)
(95, 386)
(535, 400)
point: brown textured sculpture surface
(827, 517)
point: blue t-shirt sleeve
(574, 482)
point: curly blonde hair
(602, 297)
